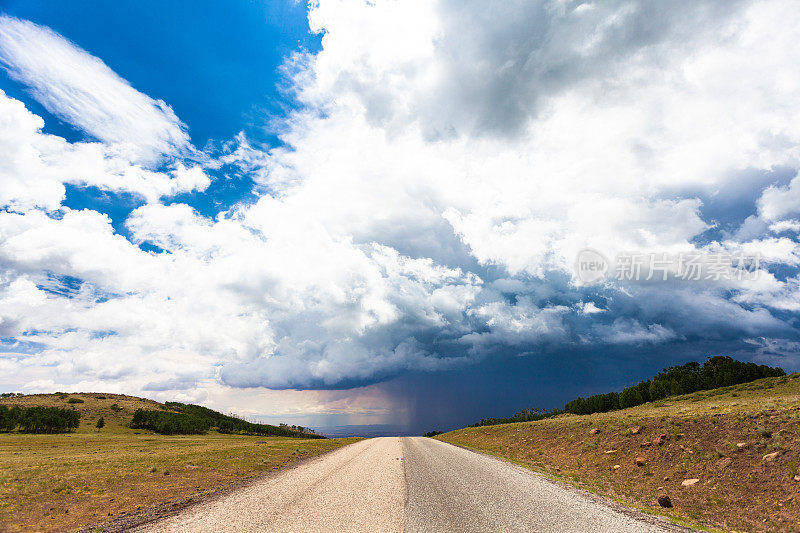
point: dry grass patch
(58, 482)
(699, 436)
(67, 481)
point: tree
(48, 420)
(100, 423)
(630, 397)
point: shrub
(74, 400)
(100, 423)
(9, 417)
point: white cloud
(785, 225)
(427, 206)
(82, 90)
(627, 331)
(589, 308)
(779, 202)
(34, 166)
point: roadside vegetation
(723, 459)
(101, 471)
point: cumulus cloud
(34, 166)
(79, 88)
(476, 68)
(446, 164)
(778, 203)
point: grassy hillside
(117, 410)
(723, 438)
(62, 482)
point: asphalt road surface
(453, 489)
(407, 484)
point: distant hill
(118, 410)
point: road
(408, 484)
(453, 489)
(359, 487)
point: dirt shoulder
(741, 444)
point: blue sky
(373, 213)
(232, 54)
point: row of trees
(526, 415)
(168, 423)
(231, 424)
(38, 419)
(718, 371)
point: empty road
(409, 484)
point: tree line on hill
(190, 419)
(718, 371)
(233, 424)
(168, 423)
(526, 415)
(38, 419)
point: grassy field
(63, 482)
(719, 438)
